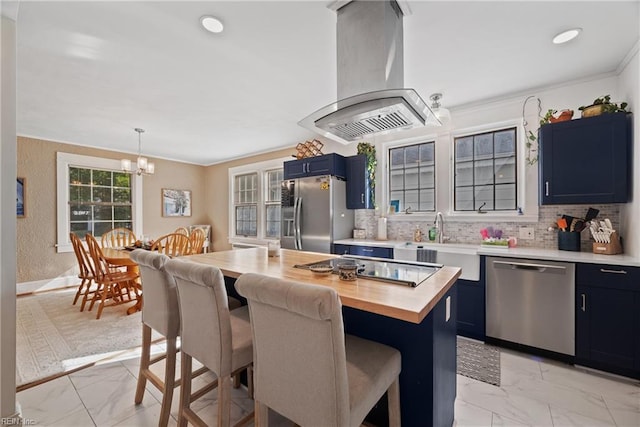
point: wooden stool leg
(393, 399)
(145, 356)
(185, 387)
(224, 401)
(262, 414)
(169, 382)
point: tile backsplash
(469, 232)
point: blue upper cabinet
(328, 164)
(585, 161)
(359, 191)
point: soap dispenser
(417, 234)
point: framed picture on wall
(20, 205)
(176, 202)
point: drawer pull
(584, 303)
(604, 270)
(367, 250)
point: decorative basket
(592, 110)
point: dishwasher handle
(540, 268)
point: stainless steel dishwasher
(531, 302)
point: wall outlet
(526, 233)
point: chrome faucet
(439, 222)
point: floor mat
(478, 361)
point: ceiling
(91, 72)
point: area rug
(478, 361)
(53, 336)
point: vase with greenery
(370, 152)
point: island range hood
(371, 98)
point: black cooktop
(410, 274)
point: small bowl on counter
(321, 269)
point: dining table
(419, 321)
(120, 257)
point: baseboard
(26, 288)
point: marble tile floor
(533, 392)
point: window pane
(80, 229)
(464, 173)
(411, 156)
(505, 142)
(79, 176)
(427, 200)
(99, 228)
(484, 172)
(464, 148)
(103, 213)
(128, 225)
(411, 179)
(505, 170)
(102, 194)
(427, 177)
(122, 213)
(484, 194)
(121, 195)
(121, 180)
(80, 212)
(397, 180)
(399, 196)
(506, 196)
(464, 199)
(427, 155)
(396, 156)
(411, 199)
(79, 193)
(483, 146)
(102, 178)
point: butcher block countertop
(387, 299)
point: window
(485, 171)
(254, 214)
(99, 200)
(272, 203)
(93, 196)
(412, 177)
(246, 204)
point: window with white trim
(412, 181)
(485, 177)
(99, 200)
(94, 195)
(254, 214)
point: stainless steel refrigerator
(314, 213)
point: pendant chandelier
(143, 166)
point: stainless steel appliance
(531, 302)
(314, 213)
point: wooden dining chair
(85, 270)
(118, 238)
(196, 239)
(182, 230)
(172, 244)
(114, 285)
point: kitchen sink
(464, 256)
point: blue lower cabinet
(608, 318)
(370, 251)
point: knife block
(612, 248)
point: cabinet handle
(584, 303)
(546, 186)
(367, 250)
(604, 270)
(362, 198)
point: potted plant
(370, 151)
(602, 105)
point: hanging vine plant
(370, 151)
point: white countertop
(519, 252)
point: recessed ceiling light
(211, 24)
(566, 36)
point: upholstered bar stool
(305, 367)
(218, 338)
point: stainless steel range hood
(372, 100)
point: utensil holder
(569, 241)
(612, 248)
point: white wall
(629, 90)
(8, 149)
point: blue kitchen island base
(428, 377)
